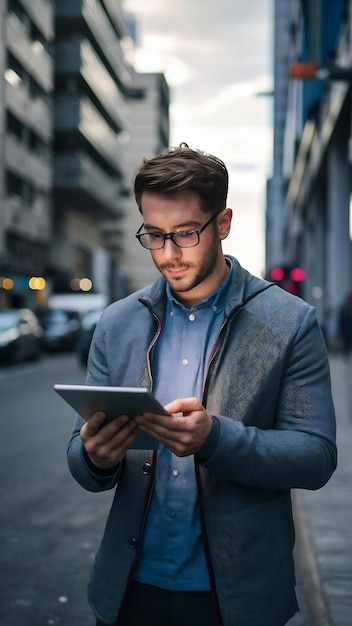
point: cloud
(234, 93)
(151, 8)
(246, 238)
(241, 144)
(176, 71)
(236, 103)
(216, 57)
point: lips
(173, 268)
(176, 272)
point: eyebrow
(186, 226)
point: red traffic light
(277, 274)
(291, 287)
(289, 277)
(297, 274)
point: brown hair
(180, 169)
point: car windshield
(51, 318)
(8, 319)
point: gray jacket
(268, 382)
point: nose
(171, 250)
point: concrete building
(275, 247)
(75, 121)
(90, 115)
(311, 217)
(148, 115)
(26, 86)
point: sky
(217, 57)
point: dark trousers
(150, 606)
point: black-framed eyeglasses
(181, 238)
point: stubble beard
(200, 273)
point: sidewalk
(324, 522)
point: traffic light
(290, 278)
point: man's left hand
(185, 431)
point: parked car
(20, 336)
(89, 322)
(61, 329)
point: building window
(15, 7)
(14, 68)
(15, 128)
(16, 189)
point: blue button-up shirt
(172, 554)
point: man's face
(192, 273)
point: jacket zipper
(150, 484)
(153, 342)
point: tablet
(114, 401)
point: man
(200, 532)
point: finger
(161, 427)
(107, 442)
(105, 450)
(96, 427)
(184, 405)
(178, 439)
(183, 435)
(94, 424)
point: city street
(50, 527)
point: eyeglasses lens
(156, 241)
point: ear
(224, 223)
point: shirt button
(146, 468)
(185, 361)
(175, 473)
(132, 542)
(191, 317)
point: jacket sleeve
(83, 471)
(294, 447)
(80, 467)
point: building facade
(26, 141)
(69, 103)
(148, 135)
(309, 218)
(91, 81)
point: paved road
(50, 527)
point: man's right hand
(107, 445)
